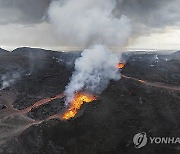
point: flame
(76, 103)
(120, 65)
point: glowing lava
(120, 65)
(44, 101)
(76, 103)
(41, 103)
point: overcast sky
(155, 24)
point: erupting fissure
(79, 99)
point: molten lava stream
(153, 84)
(44, 101)
(76, 103)
(40, 103)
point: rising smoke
(93, 71)
(9, 79)
(91, 24)
(84, 23)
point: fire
(76, 103)
(120, 65)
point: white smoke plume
(9, 79)
(84, 23)
(93, 71)
(90, 23)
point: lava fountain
(79, 99)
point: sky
(155, 24)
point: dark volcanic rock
(107, 125)
(153, 67)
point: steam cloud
(9, 79)
(93, 71)
(84, 23)
(90, 23)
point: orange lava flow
(120, 65)
(44, 101)
(76, 103)
(41, 102)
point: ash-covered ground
(107, 125)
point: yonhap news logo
(141, 139)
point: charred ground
(106, 125)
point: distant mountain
(3, 51)
(30, 50)
(175, 55)
(38, 53)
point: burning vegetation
(76, 103)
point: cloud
(22, 11)
(38, 35)
(147, 17)
(85, 23)
(144, 13)
(150, 15)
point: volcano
(145, 99)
